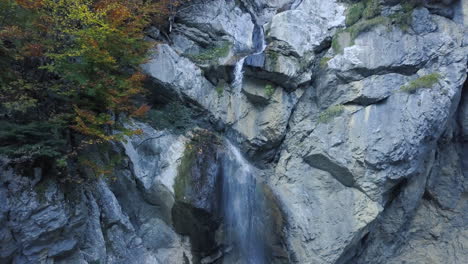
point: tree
(71, 68)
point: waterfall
(238, 75)
(257, 59)
(242, 211)
(242, 198)
(254, 59)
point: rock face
(124, 219)
(358, 134)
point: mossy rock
(372, 9)
(272, 59)
(426, 81)
(196, 180)
(341, 40)
(221, 87)
(324, 62)
(363, 16)
(269, 90)
(354, 13)
(196, 210)
(330, 113)
(212, 54)
(364, 9)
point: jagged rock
(294, 37)
(392, 150)
(380, 51)
(324, 217)
(368, 91)
(205, 26)
(180, 76)
(378, 144)
(48, 223)
(424, 223)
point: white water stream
(258, 39)
(242, 210)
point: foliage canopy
(69, 69)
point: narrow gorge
(280, 131)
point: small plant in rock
(330, 113)
(220, 88)
(426, 81)
(336, 46)
(372, 9)
(203, 142)
(272, 57)
(363, 16)
(365, 25)
(41, 189)
(324, 62)
(354, 13)
(211, 54)
(269, 90)
(404, 18)
(365, 9)
(355, 30)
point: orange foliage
(12, 32)
(142, 110)
(30, 4)
(33, 50)
(137, 77)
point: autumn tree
(69, 70)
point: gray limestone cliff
(356, 132)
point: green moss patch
(372, 9)
(330, 113)
(220, 87)
(196, 152)
(403, 20)
(365, 9)
(351, 33)
(272, 58)
(324, 62)
(354, 13)
(363, 16)
(366, 25)
(183, 180)
(212, 54)
(269, 90)
(426, 81)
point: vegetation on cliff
(365, 15)
(426, 81)
(69, 70)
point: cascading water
(242, 198)
(242, 210)
(238, 75)
(257, 56)
(255, 59)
